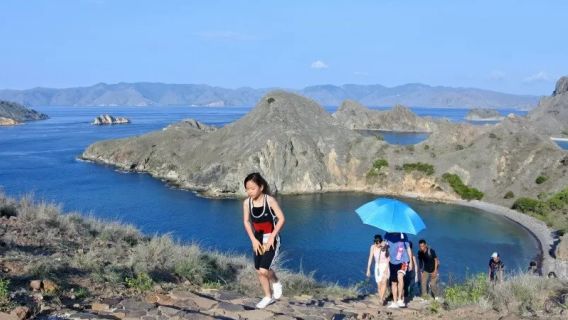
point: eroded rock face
(562, 249)
(561, 86)
(8, 122)
(108, 119)
(13, 113)
(550, 117)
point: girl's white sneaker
(264, 302)
(276, 290)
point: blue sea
(323, 234)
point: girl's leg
(272, 275)
(263, 275)
(382, 289)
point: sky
(511, 46)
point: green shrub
(541, 179)
(509, 195)
(428, 169)
(426, 147)
(465, 192)
(141, 282)
(469, 292)
(379, 163)
(529, 205)
(492, 135)
(459, 147)
(4, 292)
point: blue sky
(511, 46)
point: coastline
(538, 229)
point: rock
(108, 119)
(561, 86)
(14, 113)
(562, 248)
(35, 285)
(100, 307)
(49, 286)
(7, 316)
(479, 114)
(8, 121)
(21, 312)
(355, 116)
(256, 314)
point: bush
(469, 292)
(426, 147)
(529, 205)
(541, 179)
(4, 292)
(509, 195)
(459, 147)
(465, 192)
(492, 135)
(379, 163)
(141, 282)
(428, 169)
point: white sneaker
(264, 302)
(276, 290)
(393, 305)
(400, 304)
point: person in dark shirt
(496, 267)
(429, 263)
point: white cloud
(318, 64)
(537, 77)
(497, 75)
(225, 35)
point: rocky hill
(299, 147)
(550, 118)
(355, 116)
(160, 94)
(14, 113)
(479, 114)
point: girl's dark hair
(378, 238)
(259, 180)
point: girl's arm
(369, 262)
(281, 220)
(246, 221)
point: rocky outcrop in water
(12, 113)
(301, 148)
(355, 116)
(479, 114)
(108, 119)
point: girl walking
(379, 252)
(263, 220)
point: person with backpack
(263, 219)
(496, 268)
(429, 264)
(400, 262)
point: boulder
(562, 248)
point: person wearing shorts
(263, 219)
(400, 263)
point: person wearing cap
(496, 267)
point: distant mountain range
(161, 94)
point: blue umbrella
(391, 215)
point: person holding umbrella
(400, 263)
(396, 218)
